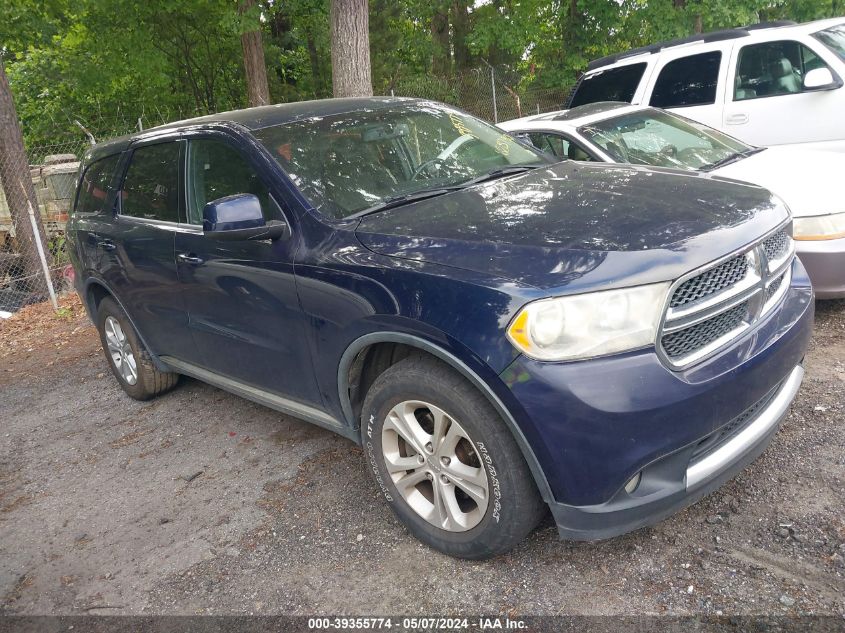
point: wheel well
(96, 293)
(374, 359)
(370, 363)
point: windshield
(350, 162)
(834, 39)
(656, 138)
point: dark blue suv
(502, 334)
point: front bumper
(593, 425)
(679, 480)
(825, 263)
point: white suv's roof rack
(713, 36)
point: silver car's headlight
(819, 227)
(591, 324)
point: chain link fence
(34, 270)
(491, 93)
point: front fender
(470, 367)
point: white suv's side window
(688, 81)
(772, 69)
(613, 84)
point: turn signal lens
(819, 227)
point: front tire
(446, 463)
(127, 357)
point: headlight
(819, 227)
(591, 324)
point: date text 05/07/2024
(418, 623)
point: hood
(807, 180)
(554, 225)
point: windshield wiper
(498, 173)
(405, 198)
(423, 194)
(732, 158)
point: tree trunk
(350, 30)
(441, 59)
(314, 60)
(258, 92)
(460, 24)
(17, 185)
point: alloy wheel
(434, 465)
(120, 351)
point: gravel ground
(200, 502)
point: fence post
(493, 87)
(44, 266)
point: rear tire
(446, 463)
(129, 360)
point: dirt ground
(200, 502)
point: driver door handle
(189, 258)
(736, 119)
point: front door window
(217, 170)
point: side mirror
(820, 79)
(239, 217)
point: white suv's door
(691, 82)
(767, 103)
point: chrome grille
(711, 307)
(777, 245)
(771, 291)
(691, 339)
(710, 282)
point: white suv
(767, 84)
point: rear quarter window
(614, 84)
(95, 186)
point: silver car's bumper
(825, 263)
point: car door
(93, 215)
(241, 296)
(137, 246)
(691, 84)
(768, 104)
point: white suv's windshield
(360, 161)
(834, 39)
(656, 138)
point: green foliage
(107, 63)
(179, 58)
(57, 245)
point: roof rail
(713, 36)
(774, 24)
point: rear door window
(688, 81)
(151, 186)
(95, 186)
(615, 84)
